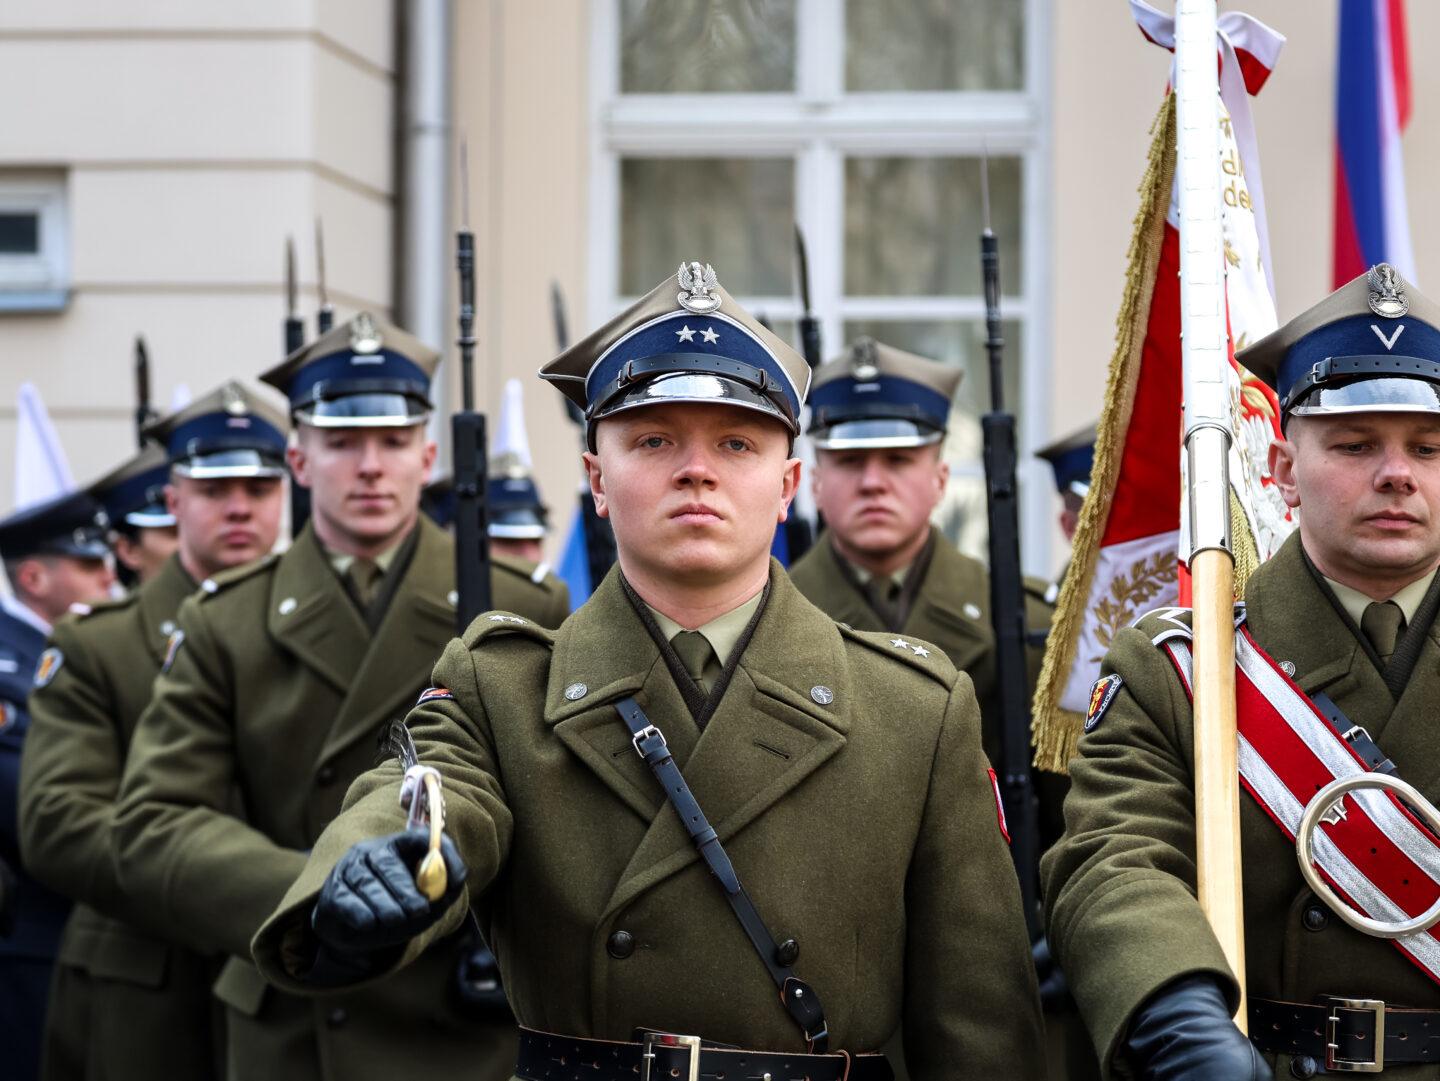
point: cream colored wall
(521, 98)
(1107, 85)
(196, 134)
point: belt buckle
(652, 1040)
(647, 733)
(1373, 1006)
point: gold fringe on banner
(1056, 731)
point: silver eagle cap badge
(696, 285)
(364, 337)
(1387, 298)
(864, 365)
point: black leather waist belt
(1347, 1035)
(545, 1056)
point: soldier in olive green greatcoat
(282, 677)
(878, 418)
(1345, 610)
(128, 1001)
(862, 845)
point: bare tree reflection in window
(912, 225)
(734, 213)
(707, 46)
(934, 45)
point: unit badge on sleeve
(1101, 695)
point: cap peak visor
(1381, 394)
(373, 409)
(226, 464)
(875, 434)
(694, 388)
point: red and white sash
(1378, 857)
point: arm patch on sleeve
(1101, 695)
(49, 665)
(172, 648)
(435, 694)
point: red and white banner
(1126, 558)
(1375, 854)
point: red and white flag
(1126, 558)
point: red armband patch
(999, 806)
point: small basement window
(34, 241)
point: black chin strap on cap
(1338, 369)
(799, 998)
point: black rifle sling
(798, 998)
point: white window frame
(39, 282)
(818, 127)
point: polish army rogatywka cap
(72, 524)
(876, 396)
(1071, 458)
(229, 432)
(364, 373)
(687, 341)
(133, 493)
(1372, 346)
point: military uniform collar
(25, 615)
(722, 632)
(1295, 621)
(603, 652)
(159, 599)
(1354, 602)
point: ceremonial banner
(1126, 555)
(1372, 107)
(41, 469)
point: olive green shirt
(722, 632)
(1408, 599)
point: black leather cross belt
(546, 1056)
(1346, 1035)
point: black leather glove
(370, 902)
(1054, 990)
(1184, 1033)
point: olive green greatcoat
(862, 822)
(951, 610)
(1123, 918)
(126, 1001)
(278, 689)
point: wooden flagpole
(1207, 444)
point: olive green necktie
(365, 577)
(698, 657)
(883, 595)
(1382, 623)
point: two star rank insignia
(900, 643)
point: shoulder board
(116, 604)
(1039, 589)
(225, 579)
(505, 624)
(1163, 624)
(921, 656)
(534, 573)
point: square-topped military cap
(1371, 346)
(1071, 458)
(67, 525)
(364, 373)
(875, 396)
(133, 493)
(229, 432)
(686, 341)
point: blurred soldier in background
(127, 1001)
(282, 676)
(142, 529)
(878, 418)
(55, 556)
